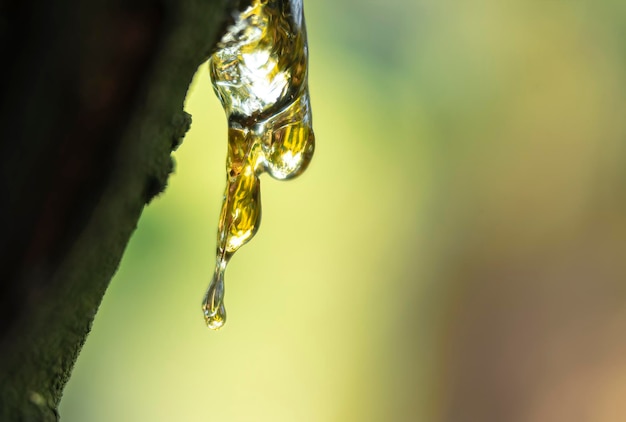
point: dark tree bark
(91, 99)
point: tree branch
(91, 108)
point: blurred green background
(455, 252)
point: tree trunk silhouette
(91, 107)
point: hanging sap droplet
(259, 74)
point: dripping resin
(259, 74)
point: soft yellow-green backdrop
(455, 252)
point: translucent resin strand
(259, 74)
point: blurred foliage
(455, 251)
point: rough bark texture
(91, 107)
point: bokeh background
(455, 252)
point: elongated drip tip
(213, 304)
